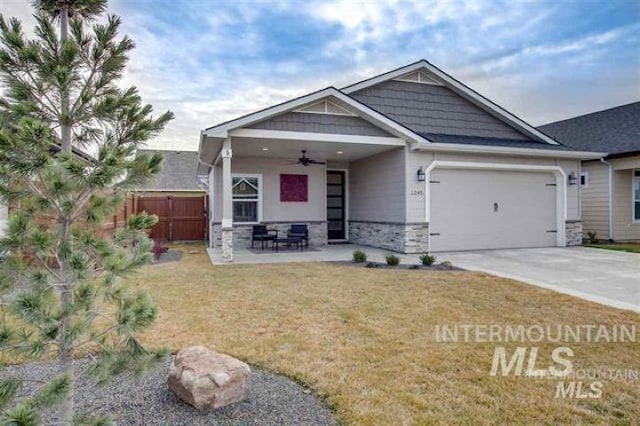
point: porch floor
(332, 252)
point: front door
(335, 205)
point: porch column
(227, 202)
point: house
(411, 160)
(176, 176)
(610, 187)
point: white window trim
(634, 179)
(586, 180)
(250, 175)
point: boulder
(207, 379)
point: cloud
(213, 61)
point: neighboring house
(610, 188)
(411, 160)
(176, 176)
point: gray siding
(321, 123)
(433, 109)
(377, 188)
(595, 199)
(624, 227)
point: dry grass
(364, 339)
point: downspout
(610, 203)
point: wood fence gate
(179, 218)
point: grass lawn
(628, 247)
(364, 340)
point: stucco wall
(273, 209)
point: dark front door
(335, 205)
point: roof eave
(529, 152)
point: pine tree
(61, 292)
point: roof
(614, 130)
(511, 143)
(177, 171)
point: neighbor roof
(177, 171)
(615, 130)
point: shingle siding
(428, 108)
(321, 123)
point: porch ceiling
(316, 150)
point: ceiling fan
(305, 161)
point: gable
(419, 76)
(324, 107)
(433, 109)
(321, 123)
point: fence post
(170, 216)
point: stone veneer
(400, 237)
(242, 233)
(573, 232)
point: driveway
(604, 276)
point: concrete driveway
(604, 276)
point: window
(636, 196)
(584, 180)
(246, 198)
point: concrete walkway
(604, 276)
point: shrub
(392, 260)
(446, 265)
(359, 256)
(592, 237)
(158, 249)
(427, 259)
(372, 265)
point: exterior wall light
(421, 175)
(572, 178)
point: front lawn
(628, 247)
(364, 339)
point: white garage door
(4, 213)
(488, 209)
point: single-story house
(411, 160)
(610, 187)
(176, 176)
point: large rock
(208, 379)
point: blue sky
(212, 60)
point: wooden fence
(179, 218)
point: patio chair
(299, 231)
(262, 234)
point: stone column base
(227, 244)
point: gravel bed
(146, 400)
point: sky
(213, 60)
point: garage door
(488, 209)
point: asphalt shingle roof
(475, 140)
(178, 171)
(615, 130)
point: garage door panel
(478, 209)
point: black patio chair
(262, 234)
(299, 231)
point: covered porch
(327, 253)
(260, 177)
